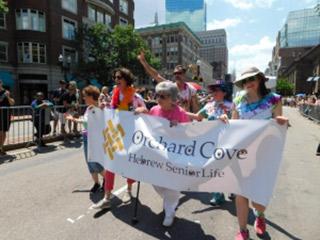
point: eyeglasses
(247, 80)
(162, 96)
(177, 73)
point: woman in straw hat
(255, 102)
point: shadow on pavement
(46, 149)
(72, 143)
(151, 224)
(7, 159)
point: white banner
(241, 157)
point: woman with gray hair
(166, 95)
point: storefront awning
(7, 79)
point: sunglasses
(248, 80)
(162, 96)
(177, 73)
(118, 77)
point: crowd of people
(175, 100)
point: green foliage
(284, 87)
(3, 7)
(111, 49)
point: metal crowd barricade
(310, 111)
(26, 125)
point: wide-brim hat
(249, 72)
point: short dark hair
(126, 74)
(92, 91)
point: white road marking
(115, 193)
(70, 220)
(81, 216)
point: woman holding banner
(124, 97)
(212, 111)
(167, 94)
(255, 102)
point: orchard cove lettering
(170, 167)
(206, 149)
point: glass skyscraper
(302, 28)
(192, 12)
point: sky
(251, 25)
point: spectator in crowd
(91, 96)
(255, 102)
(42, 115)
(5, 119)
(71, 103)
(187, 97)
(167, 94)
(124, 98)
(105, 98)
(59, 112)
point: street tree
(96, 48)
(284, 87)
(3, 6)
(127, 46)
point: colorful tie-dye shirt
(213, 110)
(261, 109)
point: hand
(173, 123)
(224, 118)
(281, 120)
(140, 110)
(69, 117)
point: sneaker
(217, 199)
(260, 225)
(127, 197)
(242, 235)
(95, 188)
(168, 220)
(103, 204)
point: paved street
(46, 197)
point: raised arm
(150, 70)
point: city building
(299, 35)
(175, 44)
(191, 12)
(304, 72)
(37, 40)
(301, 29)
(215, 51)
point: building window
(91, 13)
(3, 52)
(107, 19)
(69, 28)
(29, 19)
(2, 21)
(123, 6)
(70, 5)
(30, 52)
(100, 17)
(70, 52)
(123, 22)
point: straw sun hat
(247, 73)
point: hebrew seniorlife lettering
(113, 139)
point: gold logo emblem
(113, 136)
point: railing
(310, 111)
(26, 126)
